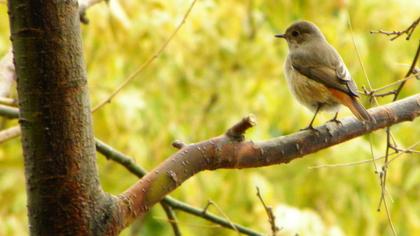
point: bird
(317, 75)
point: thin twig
(213, 226)
(143, 66)
(270, 214)
(401, 153)
(389, 217)
(383, 176)
(374, 92)
(408, 150)
(382, 173)
(359, 57)
(171, 218)
(409, 72)
(8, 101)
(372, 155)
(396, 34)
(211, 203)
(9, 133)
(347, 164)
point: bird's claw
(335, 120)
(310, 128)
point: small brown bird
(316, 74)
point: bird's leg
(335, 120)
(310, 127)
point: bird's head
(300, 33)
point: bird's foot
(335, 120)
(310, 128)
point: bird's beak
(280, 36)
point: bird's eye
(295, 33)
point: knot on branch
(178, 144)
(236, 132)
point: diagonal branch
(128, 163)
(226, 151)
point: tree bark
(64, 194)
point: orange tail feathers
(355, 107)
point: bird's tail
(359, 110)
(353, 104)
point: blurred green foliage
(223, 64)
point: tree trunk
(64, 194)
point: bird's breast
(309, 92)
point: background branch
(270, 214)
(9, 133)
(171, 218)
(396, 34)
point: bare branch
(409, 72)
(171, 218)
(9, 133)
(211, 203)
(9, 112)
(389, 146)
(270, 215)
(128, 163)
(407, 150)
(8, 101)
(396, 34)
(227, 152)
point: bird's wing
(329, 70)
(344, 76)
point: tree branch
(228, 152)
(396, 34)
(128, 163)
(9, 133)
(9, 112)
(172, 219)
